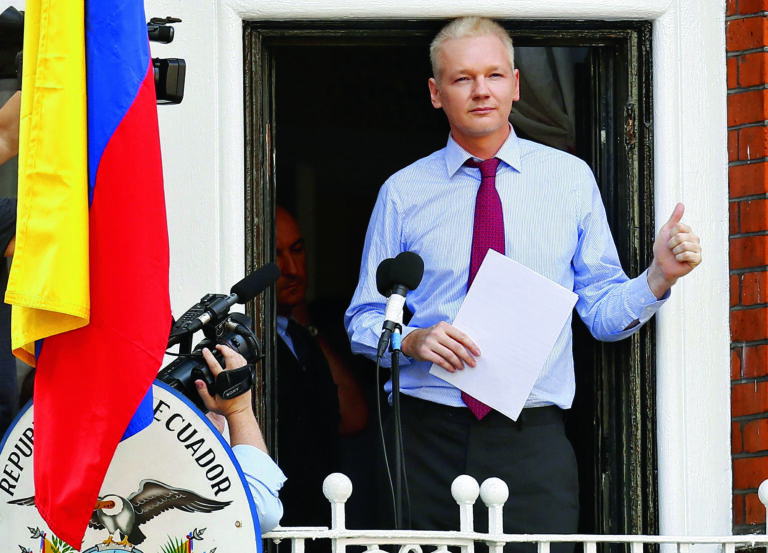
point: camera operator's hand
(243, 428)
(217, 404)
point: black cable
(383, 440)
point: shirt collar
(282, 324)
(509, 153)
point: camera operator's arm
(264, 477)
(9, 128)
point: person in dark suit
(316, 400)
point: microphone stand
(394, 348)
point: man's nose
(287, 265)
(480, 87)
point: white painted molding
(534, 9)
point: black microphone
(383, 279)
(405, 272)
(255, 283)
(242, 292)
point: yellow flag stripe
(48, 283)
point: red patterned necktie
(487, 234)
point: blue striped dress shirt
(554, 223)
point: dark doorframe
(613, 422)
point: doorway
(334, 109)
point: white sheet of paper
(514, 315)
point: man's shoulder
(535, 151)
(432, 165)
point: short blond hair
(467, 27)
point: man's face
(291, 259)
(476, 89)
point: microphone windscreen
(407, 269)
(255, 283)
(383, 279)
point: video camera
(169, 72)
(211, 315)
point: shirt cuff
(644, 302)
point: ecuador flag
(89, 280)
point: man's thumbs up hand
(676, 252)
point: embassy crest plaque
(175, 487)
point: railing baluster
(465, 491)
(337, 488)
(762, 494)
(494, 493)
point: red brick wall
(747, 50)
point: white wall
(203, 159)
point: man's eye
(461, 79)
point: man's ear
(434, 93)
(516, 95)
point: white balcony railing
(494, 493)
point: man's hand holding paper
(514, 316)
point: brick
(754, 361)
(747, 180)
(755, 436)
(733, 145)
(732, 66)
(745, 34)
(739, 510)
(748, 252)
(747, 107)
(749, 473)
(753, 143)
(736, 439)
(752, 69)
(748, 325)
(750, 398)
(753, 215)
(736, 363)
(746, 7)
(754, 288)
(734, 224)
(755, 510)
(735, 289)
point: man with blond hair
(489, 189)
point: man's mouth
(481, 110)
(290, 285)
